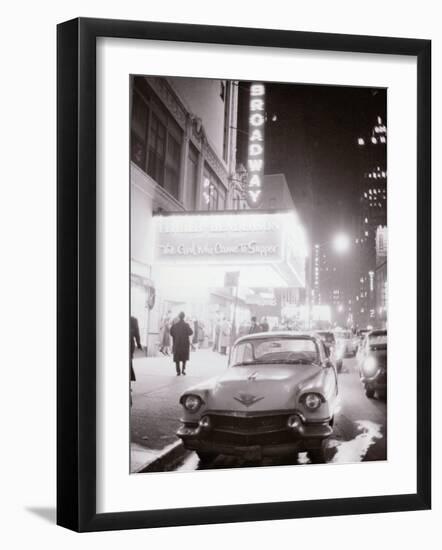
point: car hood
(260, 388)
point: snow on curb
(162, 460)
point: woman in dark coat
(180, 333)
(134, 340)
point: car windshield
(257, 351)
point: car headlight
(191, 402)
(370, 366)
(312, 401)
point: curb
(166, 461)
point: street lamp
(341, 243)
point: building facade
(183, 157)
(372, 215)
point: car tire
(369, 392)
(205, 458)
(317, 455)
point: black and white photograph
(258, 274)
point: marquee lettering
(256, 143)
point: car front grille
(249, 424)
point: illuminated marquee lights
(255, 160)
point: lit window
(366, 233)
(384, 174)
(366, 220)
(365, 195)
(379, 120)
(382, 139)
(361, 141)
(374, 140)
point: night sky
(313, 142)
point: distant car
(345, 343)
(277, 397)
(372, 360)
(330, 343)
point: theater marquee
(217, 239)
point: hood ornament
(247, 399)
(252, 376)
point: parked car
(372, 360)
(345, 343)
(277, 397)
(330, 343)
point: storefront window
(172, 173)
(157, 148)
(140, 114)
(191, 177)
(155, 139)
(214, 194)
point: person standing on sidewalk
(134, 340)
(165, 334)
(180, 333)
(195, 338)
(254, 326)
(224, 339)
(264, 324)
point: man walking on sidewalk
(180, 333)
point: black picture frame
(76, 273)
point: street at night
(258, 322)
(359, 429)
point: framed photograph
(243, 274)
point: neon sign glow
(255, 160)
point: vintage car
(277, 397)
(372, 359)
(330, 343)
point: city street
(359, 428)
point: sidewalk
(156, 410)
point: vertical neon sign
(255, 161)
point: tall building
(372, 214)
(183, 156)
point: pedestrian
(224, 338)
(254, 326)
(264, 324)
(217, 334)
(195, 337)
(134, 341)
(165, 334)
(180, 332)
(201, 334)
